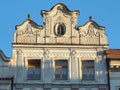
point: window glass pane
(91, 76)
(34, 63)
(91, 73)
(57, 73)
(37, 73)
(37, 76)
(29, 76)
(61, 29)
(61, 63)
(84, 73)
(64, 70)
(91, 63)
(88, 70)
(61, 71)
(64, 74)
(34, 70)
(88, 63)
(91, 70)
(64, 77)
(37, 70)
(30, 73)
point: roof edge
(5, 58)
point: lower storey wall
(61, 87)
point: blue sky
(14, 12)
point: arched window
(60, 29)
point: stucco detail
(32, 41)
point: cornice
(63, 8)
(59, 46)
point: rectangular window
(61, 70)
(88, 70)
(34, 70)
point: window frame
(87, 67)
(34, 67)
(61, 67)
(57, 32)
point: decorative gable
(60, 24)
(60, 28)
(92, 33)
(28, 32)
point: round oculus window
(60, 29)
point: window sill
(61, 80)
(33, 80)
(89, 81)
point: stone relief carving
(72, 54)
(33, 53)
(28, 31)
(46, 53)
(60, 54)
(19, 52)
(84, 54)
(90, 32)
(27, 35)
(60, 20)
(74, 20)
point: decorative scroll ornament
(46, 53)
(59, 20)
(28, 31)
(72, 52)
(19, 51)
(91, 31)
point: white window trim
(25, 71)
(69, 68)
(80, 68)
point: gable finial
(29, 17)
(90, 18)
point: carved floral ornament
(27, 31)
(59, 8)
(91, 31)
(47, 52)
(30, 32)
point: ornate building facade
(56, 56)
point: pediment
(60, 28)
(59, 8)
(92, 23)
(28, 22)
(90, 29)
(28, 32)
(28, 28)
